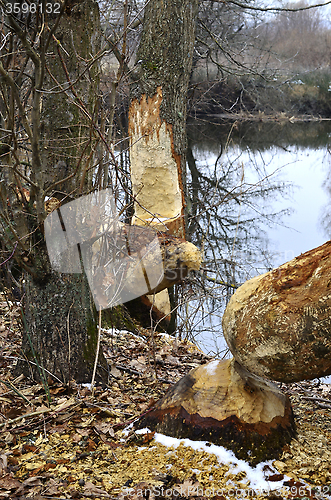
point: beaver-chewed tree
(51, 145)
(223, 403)
(277, 326)
(157, 120)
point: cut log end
(225, 404)
(278, 325)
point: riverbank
(262, 117)
(304, 97)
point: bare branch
(272, 9)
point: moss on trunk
(61, 321)
(59, 310)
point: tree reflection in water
(237, 193)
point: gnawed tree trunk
(179, 258)
(223, 403)
(59, 309)
(157, 114)
(157, 118)
(278, 325)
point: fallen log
(223, 403)
(137, 260)
(278, 325)
(121, 261)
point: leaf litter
(82, 446)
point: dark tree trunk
(66, 138)
(59, 310)
(61, 325)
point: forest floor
(75, 445)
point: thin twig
(96, 354)
(2, 263)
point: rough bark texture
(157, 119)
(223, 403)
(157, 114)
(61, 319)
(278, 325)
(65, 129)
(59, 308)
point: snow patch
(255, 476)
(142, 431)
(212, 367)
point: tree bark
(157, 119)
(278, 326)
(59, 309)
(61, 331)
(157, 115)
(65, 129)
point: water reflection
(259, 136)
(256, 201)
(326, 214)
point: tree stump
(278, 325)
(223, 403)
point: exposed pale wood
(157, 120)
(179, 258)
(223, 403)
(156, 254)
(278, 325)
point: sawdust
(76, 448)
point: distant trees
(250, 56)
(301, 39)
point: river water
(282, 206)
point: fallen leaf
(172, 360)
(52, 487)
(91, 446)
(189, 489)
(30, 482)
(105, 428)
(9, 483)
(64, 403)
(8, 437)
(115, 372)
(275, 477)
(84, 432)
(137, 365)
(76, 438)
(90, 488)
